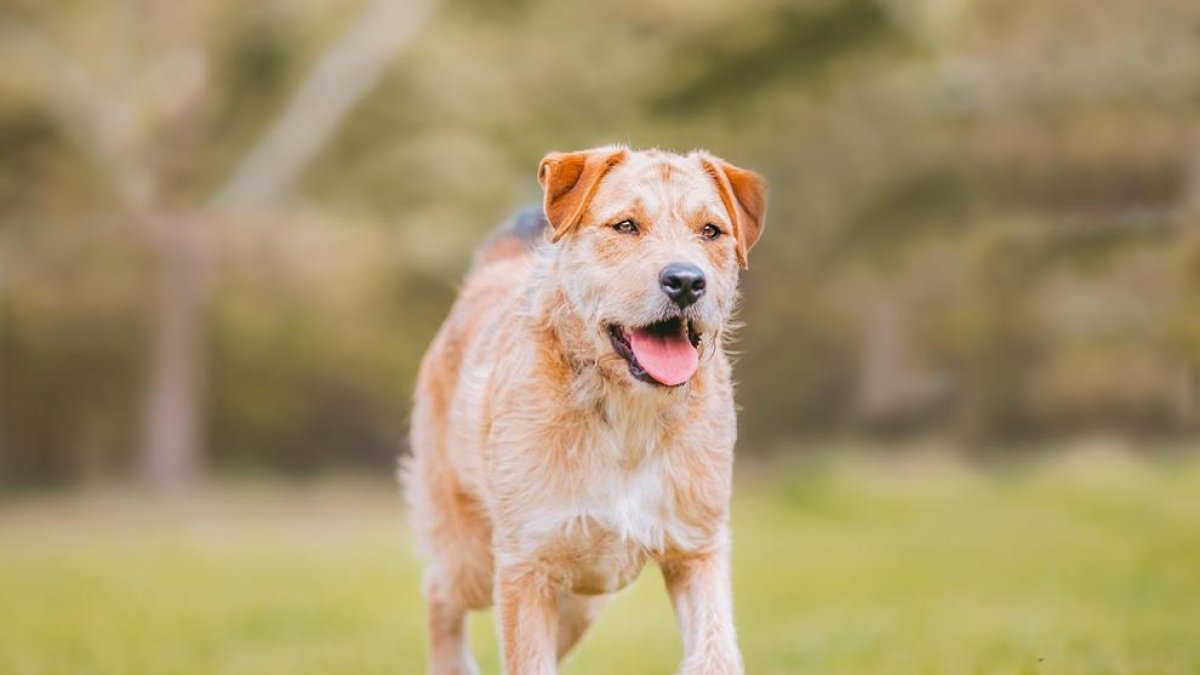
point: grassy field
(1082, 565)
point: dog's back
(498, 268)
(490, 289)
(519, 235)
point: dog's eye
(626, 226)
(710, 231)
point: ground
(1078, 565)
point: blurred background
(228, 230)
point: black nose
(683, 284)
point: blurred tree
(127, 129)
(1186, 330)
(133, 135)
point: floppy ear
(570, 180)
(745, 196)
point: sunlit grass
(1068, 567)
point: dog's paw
(462, 666)
(713, 664)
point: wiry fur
(545, 475)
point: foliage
(1005, 178)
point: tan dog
(574, 417)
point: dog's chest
(621, 507)
(608, 528)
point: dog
(574, 416)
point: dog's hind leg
(459, 580)
(449, 649)
(575, 615)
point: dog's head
(648, 247)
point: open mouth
(662, 353)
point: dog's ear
(745, 196)
(570, 179)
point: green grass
(1067, 567)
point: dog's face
(648, 247)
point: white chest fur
(603, 533)
(625, 491)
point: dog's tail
(519, 235)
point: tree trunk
(171, 454)
(1186, 394)
(880, 365)
(347, 72)
(1187, 412)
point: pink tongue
(670, 359)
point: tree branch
(345, 74)
(102, 124)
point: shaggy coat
(551, 461)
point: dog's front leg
(701, 593)
(527, 603)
